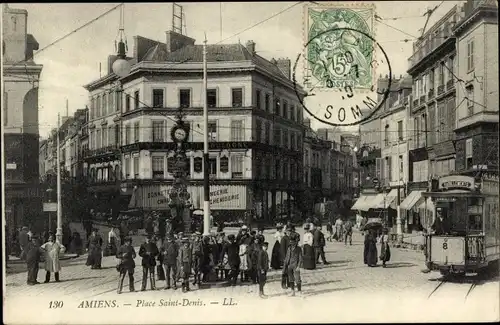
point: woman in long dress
(95, 250)
(309, 262)
(385, 251)
(52, 250)
(370, 250)
(276, 258)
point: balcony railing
(450, 84)
(104, 150)
(415, 102)
(422, 99)
(440, 89)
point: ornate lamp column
(179, 196)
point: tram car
(463, 233)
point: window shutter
(389, 170)
(378, 168)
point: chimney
(251, 47)
(176, 41)
(285, 66)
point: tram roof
(456, 193)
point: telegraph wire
(397, 29)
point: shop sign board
(456, 182)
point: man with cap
(262, 267)
(126, 255)
(148, 251)
(231, 250)
(293, 263)
(197, 255)
(319, 243)
(33, 257)
(170, 252)
(185, 260)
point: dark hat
(279, 226)
(231, 237)
(260, 228)
(295, 237)
(253, 232)
(307, 226)
(260, 238)
(185, 240)
(265, 243)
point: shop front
(226, 201)
(410, 209)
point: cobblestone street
(346, 276)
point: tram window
(475, 222)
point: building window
(136, 131)
(104, 104)
(386, 135)
(98, 138)
(136, 167)
(136, 99)
(237, 131)
(277, 136)
(292, 141)
(127, 167)
(185, 97)
(158, 167)
(400, 131)
(470, 100)
(212, 130)
(212, 165)
(258, 99)
(268, 103)
(431, 80)
(468, 154)
(118, 95)
(198, 165)
(285, 139)
(104, 136)
(98, 106)
(267, 133)
(111, 99)
(117, 134)
(158, 131)
(237, 97)
(277, 106)
(292, 112)
(258, 130)
(441, 74)
(470, 55)
(224, 164)
(127, 103)
(285, 110)
(237, 166)
(401, 168)
(212, 98)
(158, 97)
(111, 136)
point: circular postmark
(342, 61)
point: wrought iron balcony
(103, 151)
(422, 99)
(430, 94)
(440, 89)
(450, 84)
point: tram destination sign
(456, 182)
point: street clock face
(179, 134)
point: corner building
(255, 127)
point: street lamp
(49, 195)
(121, 67)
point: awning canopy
(384, 201)
(411, 200)
(363, 203)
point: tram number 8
(445, 246)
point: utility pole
(399, 228)
(58, 168)
(206, 161)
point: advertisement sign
(49, 207)
(456, 182)
(222, 197)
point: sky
(74, 61)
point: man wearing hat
(262, 267)
(33, 257)
(148, 251)
(197, 254)
(441, 225)
(293, 263)
(185, 260)
(170, 252)
(231, 250)
(126, 254)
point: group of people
(370, 252)
(50, 250)
(340, 231)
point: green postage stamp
(339, 45)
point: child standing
(262, 268)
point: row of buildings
(264, 156)
(440, 119)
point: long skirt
(370, 253)
(276, 258)
(385, 252)
(309, 262)
(95, 257)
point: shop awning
(133, 200)
(384, 201)
(363, 203)
(411, 200)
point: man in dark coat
(232, 249)
(148, 251)
(23, 241)
(262, 267)
(170, 252)
(126, 254)
(441, 225)
(33, 257)
(253, 249)
(185, 259)
(124, 230)
(197, 254)
(293, 263)
(206, 250)
(319, 245)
